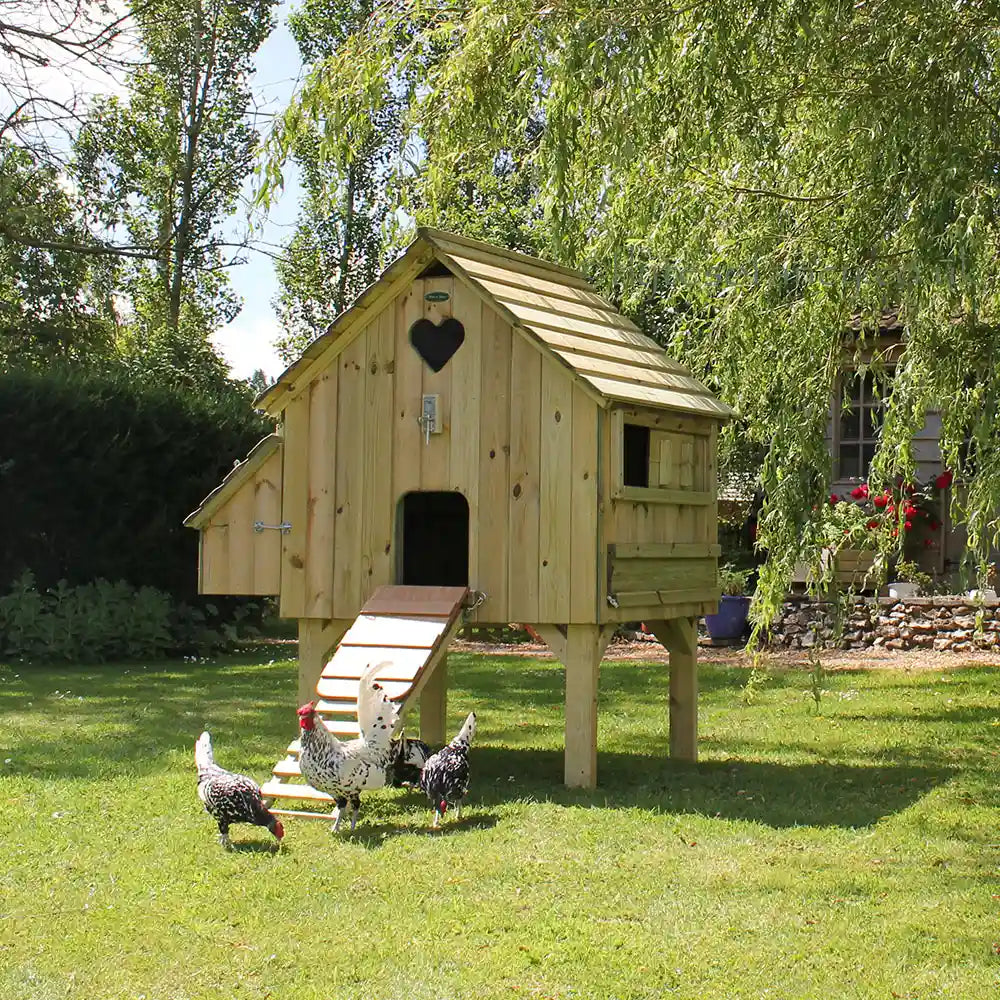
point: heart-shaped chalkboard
(436, 344)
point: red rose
(857, 493)
(881, 500)
(872, 525)
(833, 499)
(944, 480)
(909, 510)
(907, 525)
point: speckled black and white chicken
(445, 777)
(230, 798)
(410, 755)
(345, 768)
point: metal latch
(428, 418)
(284, 527)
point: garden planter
(731, 618)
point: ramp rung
(302, 814)
(336, 706)
(342, 688)
(401, 633)
(353, 661)
(343, 727)
(285, 790)
(287, 768)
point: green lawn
(853, 853)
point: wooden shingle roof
(235, 478)
(555, 306)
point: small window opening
(432, 531)
(636, 455)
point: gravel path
(834, 659)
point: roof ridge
(431, 234)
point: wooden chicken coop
(482, 420)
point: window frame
(838, 412)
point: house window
(863, 410)
(636, 455)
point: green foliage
(91, 623)
(167, 162)
(747, 184)
(100, 621)
(909, 571)
(347, 229)
(99, 469)
(52, 299)
(734, 580)
(817, 678)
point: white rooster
(344, 769)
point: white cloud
(247, 344)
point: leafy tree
(762, 173)
(167, 163)
(347, 226)
(54, 302)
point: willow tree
(761, 172)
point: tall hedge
(97, 472)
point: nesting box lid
(554, 306)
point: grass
(848, 853)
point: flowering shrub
(866, 517)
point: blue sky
(246, 343)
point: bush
(101, 621)
(98, 471)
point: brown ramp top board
(407, 627)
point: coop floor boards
(411, 628)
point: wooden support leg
(580, 647)
(680, 638)
(317, 637)
(434, 705)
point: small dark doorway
(432, 531)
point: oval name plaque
(437, 296)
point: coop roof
(554, 306)
(237, 476)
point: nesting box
(483, 419)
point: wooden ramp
(409, 626)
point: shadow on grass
(774, 794)
(375, 835)
(135, 721)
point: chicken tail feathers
(467, 732)
(378, 717)
(203, 757)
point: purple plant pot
(731, 618)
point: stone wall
(940, 623)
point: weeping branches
(746, 181)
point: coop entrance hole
(432, 529)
